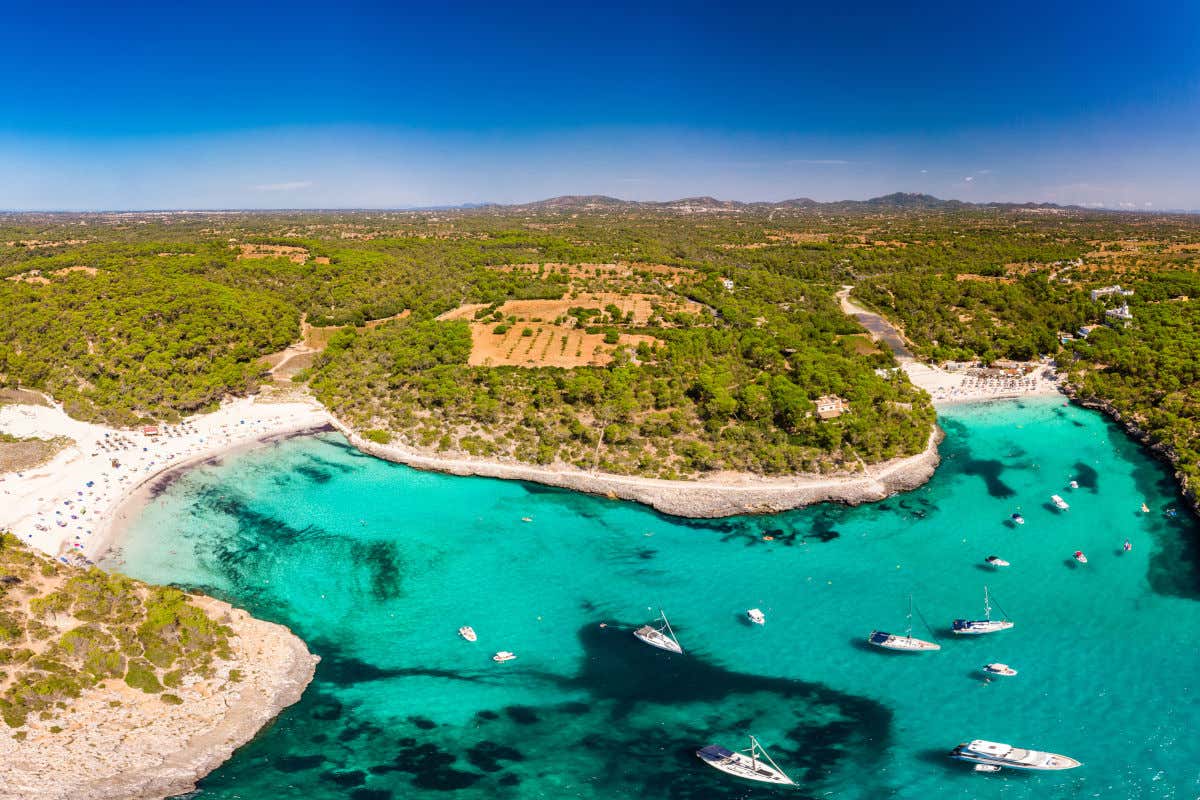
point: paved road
(880, 329)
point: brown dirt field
(965, 276)
(28, 277)
(321, 259)
(621, 270)
(29, 453)
(23, 397)
(549, 346)
(296, 255)
(642, 306)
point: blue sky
(258, 105)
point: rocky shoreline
(1142, 437)
(145, 750)
(720, 496)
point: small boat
(1145, 508)
(975, 627)
(997, 561)
(1017, 518)
(661, 637)
(906, 643)
(1074, 484)
(1127, 546)
(996, 754)
(999, 669)
(1058, 501)
(752, 763)
(504, 655)
(1080, 557)
(986, 768)
(756, 616)
(468, 633)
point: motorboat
(1080, 557)
(1058, 501)
(1074, 484)
(468, 633)
(756, 616)
(661, 637)
(980, 626)
(752, 763)
(986, 768)
(906, 643)
(503, 656)
(997, 561)
(1127, 546)
(1145, 508)
(999, 669)
(997, 754)
(1017, 518)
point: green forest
(127, 319)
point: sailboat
(662, 637)
(985, 625)
(752, 764)
(907, 643)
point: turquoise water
(376, 566)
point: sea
(377, 566)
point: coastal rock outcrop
(719, 496)
(115, 741)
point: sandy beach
(69, 504)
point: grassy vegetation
(64, 630)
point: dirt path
(880, 329)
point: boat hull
(655, 638)
(1006, 757)
(901, 644)
(978, 627)
(741, 765)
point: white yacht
(1018, 519)
(1058, 501)
(1074, 484)
(661, 637)
(999, 669)
(752, 764)
(504, 655)
(756, 616)
(468, 633)
(997, 561)
(981, 626)
(996, 754)
(906, 643)
(1079, 556)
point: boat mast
(754, 753)
(667, 625)
(908, 630)
(987, 604)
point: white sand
(947, 388)
(67, 505)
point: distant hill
(897, 201)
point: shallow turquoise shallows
(376, 566)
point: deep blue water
(377, 565)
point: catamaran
(996, 754)
(662, 637)
(752, 764)
(907, 643)
(985, 625)
(1058, 501)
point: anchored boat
(1079, 556)
(756, 616)
(985, 625)
(997, 754)
(1058, 501)
(906, 643)
(997, 561)
(468, 633)
(661, 637)
(999, 669)
(752, 764)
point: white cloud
(924, 171)
(287, 186)
(969, 178)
